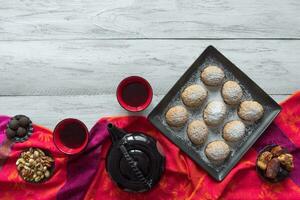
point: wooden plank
(49, 110)
(90, 19)
(87, 67)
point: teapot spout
(115, 133)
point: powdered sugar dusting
(234, 130)
(212, 75)
(250, 110)
(217, 151)
(193, 95)
(232, 92)
(214, 113)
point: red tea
(72, 135)
(135, 94)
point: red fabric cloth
(84, 176)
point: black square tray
(256, 92)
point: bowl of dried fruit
(274, 163)
(35, 165)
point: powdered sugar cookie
(250, 111)
(197, 132)
(177, 116)
(234, 131)
(214, 113)
(232, 92)
(212, 76)
(217, 151)
(194, 95)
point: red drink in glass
(70, 136)
(134, 93)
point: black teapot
(134, 161)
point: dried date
(273, 168)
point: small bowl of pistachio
(35, 165)
(274, 163)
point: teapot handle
(134, 167)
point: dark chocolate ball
(21, 132)
(13, 124)
(10, 134)
(24, 121)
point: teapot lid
(135, 163)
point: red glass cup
(70, 136)
(134, 93)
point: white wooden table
(63, 59)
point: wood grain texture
(90, 19)
(49, 110)
(96, 67)
(63, 59)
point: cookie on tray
(197, 132)
(214, 113)
(250, 111)
(212, 76)
(232, 92)
(217, 151)
(234, 131)
(194, 95)
(177, 116)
